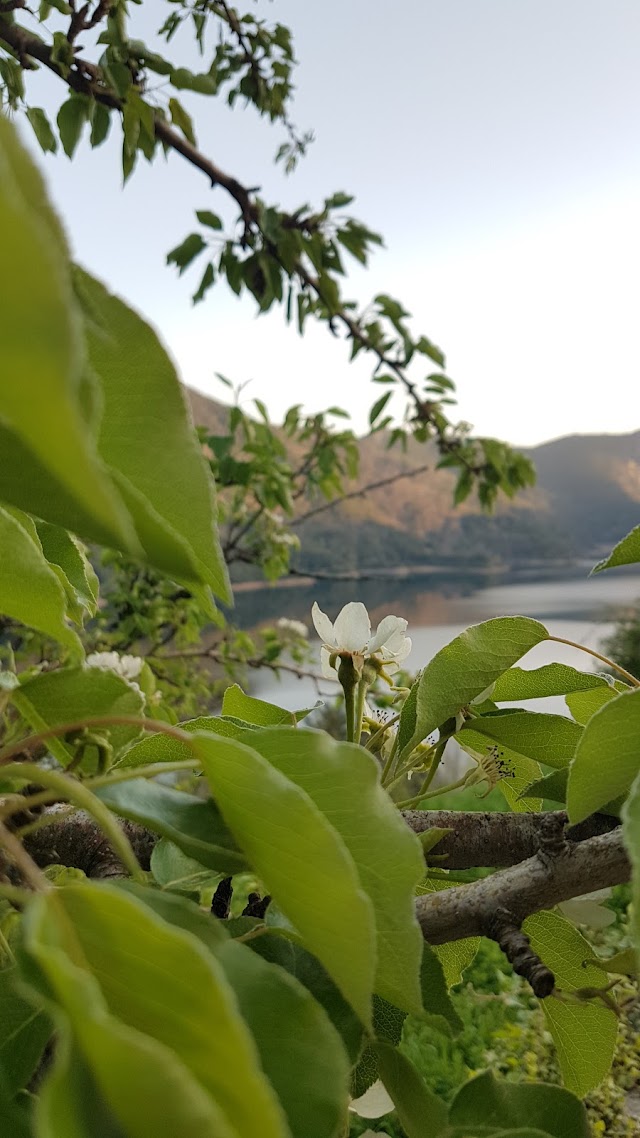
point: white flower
(373, 1103)
(294, 626)
(351, 635)
(588, 910)
(284, 538)
(129, 667)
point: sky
(496, 146)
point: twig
(364, 490)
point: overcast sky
(494, 143)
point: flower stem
(349, 682)
(435, 762)
(350, 711)
(422, 797)
(389, 765)
(381, 730)
(361, 695)
(598, 656)
(437, 750)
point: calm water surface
(577, 608)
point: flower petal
(328, 672)
(403, 651)
(323, 626)
(373, 1103)
(388, 627)
(352, 627)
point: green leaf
(76, 572)
(100, 124)
(193, 824)
(206, 217)
(343, 781)
(146, 1086)
(302, 860)
(631, 830)
(206, 281)
(584, 704)
(553, 787)
(292, 957)
(457, 956)
(148, 440)
(549, 739)
(72, 695)
(422, 1114)
(48, 461)
(24, 1031)
(42, 129)
(535, 1107)
(608, 757)
(379, 407)
(463, 670)
(538, 683)
(584, 1032)
(29, 588)
(182, 119)
(71, 118)
(163, 983)
(388, 1020)
(435, 996)
(306, 1064)
(16, 1119)
(625, 962)
(186, 252)
(71, 1103)
(171, 869)
(239, 705)
(626, 552)
(167, 749)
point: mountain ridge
(586, 497)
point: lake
(576, 607)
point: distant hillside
(586, 497)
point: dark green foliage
(623, 645)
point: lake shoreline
(497, 573)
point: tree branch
(87, 78)
(254, 662)
(540, 882)
(495, 839)
(77, 841)
(359, 493)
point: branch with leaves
(293, 258)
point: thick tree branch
(540, 882)
(77, 841)
(495, 839)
